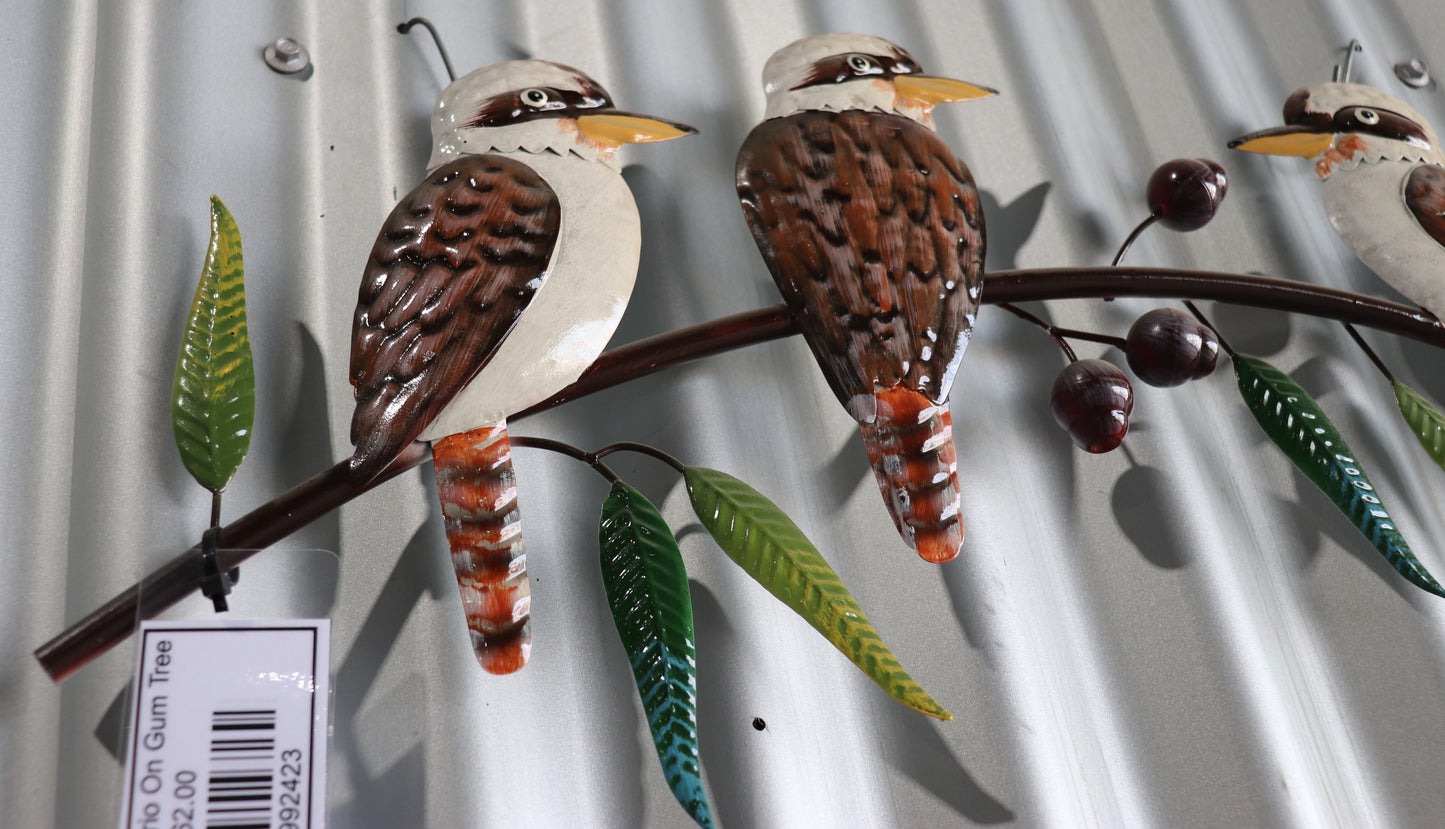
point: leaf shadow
(721, 725)
(919, 752)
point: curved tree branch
(116, 619)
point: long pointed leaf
(1425, 421)
(1300, 429)
(646, 586)
(213, 400)
(770, 547)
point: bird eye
(861, 64)
(1368, 116)
(535, 97)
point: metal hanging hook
(1342, 73)
(422, 21)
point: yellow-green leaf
(213, 400)
(1425, 421)
(770, 547)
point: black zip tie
(215, 584)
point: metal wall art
(494, 286)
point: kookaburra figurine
(492, 286)
(872, 230)
(1383, 180)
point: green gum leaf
(1297, 425)
(770, 547)
(213, 400)
(646, 584)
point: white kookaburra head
(852, 71)
(535, 106)
(1343, 125)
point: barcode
(243, 756)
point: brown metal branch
(116, 619)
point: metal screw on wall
(1413, 73)
(288, 57)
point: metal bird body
(491, 286)
(1382, 177)
(873, 232)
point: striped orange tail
(479, 508)
(910, 444)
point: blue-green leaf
(646, 584)
(213, 400)
(1296, 424)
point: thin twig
(1048, 329)
(1062, 334)
(641, 448)
(1129, 242)
(1370, 352)
(592, 459)
(1199, 315)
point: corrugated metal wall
(1179, 633)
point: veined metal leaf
(213, 401)
(1300, 429)
(1425, 421)
(770, 547)
(646, 584)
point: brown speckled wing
(1425, 196)
(454, 266)
(872, 230)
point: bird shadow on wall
(306, 444)
(400, 792)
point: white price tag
(229, 726)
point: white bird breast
(573, 315)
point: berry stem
(1061, 334)
(592, 459)
(1199, 315)
(1048, 329)
(1370, 352)
(1129, 242)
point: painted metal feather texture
(1425, 196)
(478, 493)
(872, 229)
(453, 267)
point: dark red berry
(1185, 193)
(1167, 347)
(1092, 400)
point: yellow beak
(1284, 141)
(617, 128)
(930, 90)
